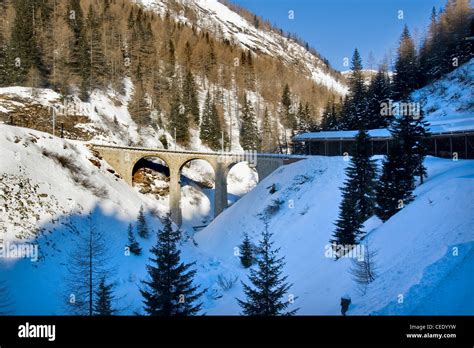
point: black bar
(289, 331)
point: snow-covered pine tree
(378, 93)
(267, 296)
(356, 113)
(358, 193)
(303, 127)
(330, 120)
(404, 160)
(396, 183)
(305, 120)
(249, 138)
(395, 186)
(104, 297)
(169, 289)
(133, 245)
(142, 226)
(246, 252)
(210, 124)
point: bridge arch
(203, 177)
(124, 161)
(135, 165)
(234, 193)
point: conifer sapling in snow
(142, 226)
(403, 162)
(103, 303)
(169, 289)
(267, 295)
(358, 193)
(133, 245)
(246, 252)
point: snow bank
(415, 247)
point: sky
(335, 27)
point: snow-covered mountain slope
(48, 186)
(105, 119)
(424, 251)
(448, 102)
(211, 15)
(426, 245)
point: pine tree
(249, 72)
(98, 67)
(378, 93)
(358, 193)
(169, 291)
(133, 245)
(305, 123)
(405, 79)
(267, 136)
(287, 115)
(411, 131)
(170, 62)
(266, 297)
(210, 125)
(190, 99)
(23, 42)
(330, 117)
(142, 226)
(80, 58)
(356, 113)
(246, 252)
(403, 162)
(249, 138)
(139, 106)
(179, 121)
(104, 295)
(5, 68)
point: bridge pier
(220, 191)
(175, 196)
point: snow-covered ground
(425, 252)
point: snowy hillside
(225, 23)
(448, 103)
(416, 256)
(416, 248)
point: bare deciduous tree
(88, 264)
(364, 271)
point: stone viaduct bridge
(124, 159)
